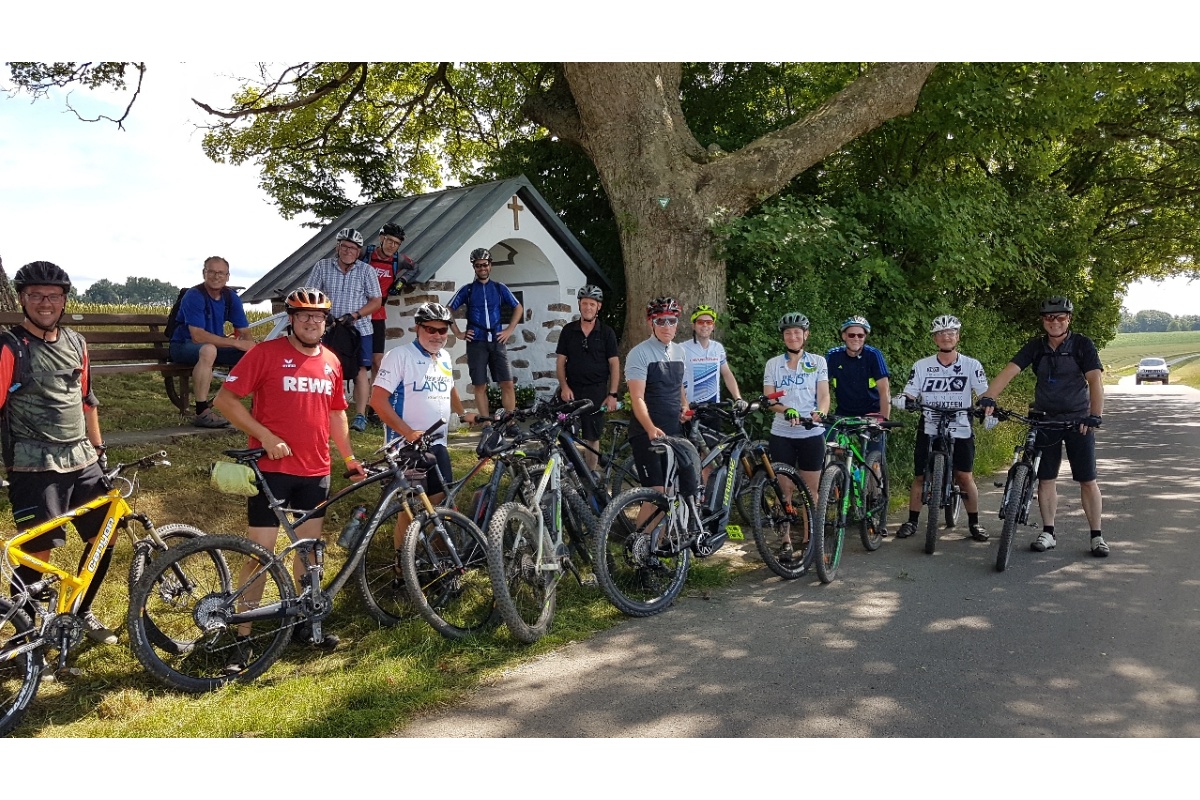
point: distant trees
(1151, 321)
(139, 291)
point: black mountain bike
(1022, 476)
(940, 494)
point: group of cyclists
(54, 451)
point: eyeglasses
(347, 246)
(666, 322)
(435, 331)
(1056, 317)
(704, 322)
(392, 240)
(216, 274)
(855, 335)
(309, 316)
(37, 297)
(485, 265)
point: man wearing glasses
(200, 339)
(588, 366)
(394, 270)
(1069, 387)
(654, 373)
(414, 389)
(858, 373)
(51, 428)
(354, 290)
(486, 334)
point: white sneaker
(1099, 547)
(1045, 541)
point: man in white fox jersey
(945, 379)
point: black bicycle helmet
(41, 273)
(392, 229)
(307, 298)
(1058, 305)
(432, 312)
(481, 254)
(591, 292)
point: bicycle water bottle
(355, 526)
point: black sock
(201, 405)
(97, 579)
(913, 516)
(1048, 529)
(972, 519)
(1096, 534)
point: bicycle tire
(456, 602)
(1014, 491)
(874, 502)
(741, 489)
(382, 589)
(193, 614)
(937, 470)
(830, 514)
(954, 507)
(582, 524)
(769, 515)
(623, 477)
(525, 594)
(144, 552)
(637, 582)
(21, 675)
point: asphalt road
(905, 644)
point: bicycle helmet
(859, 320)
(481, 254)
(663, 306)
(591, 292)
(945, 322)
(41, 273)
(432, 312)
(392, 229)
(701, 310)
(793, 319)
(350, 235)
(307, 298)
(1058, 305)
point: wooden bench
(120, 344)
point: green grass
(375, 681)
(1121, 356)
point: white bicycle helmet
(945, 322)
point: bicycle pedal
(998, 484)
(735, 533)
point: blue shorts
(365, 354)
(189, 353)
(483, 357)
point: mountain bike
(531, 542)
(1020, 484)
(41, 621)
(853, 488)
(940, 493)
(645, 538)
(219, 632)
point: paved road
(905, 644)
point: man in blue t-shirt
(486, 333)
(200, 338)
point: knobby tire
(830, 515)
(934, 484)
(638, 582)
(770, 521)
(455, 601)
(874, 502)
(525, 594)
(20, 676)
(1019, 481)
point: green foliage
(135, 290)
(526, 396)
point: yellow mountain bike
(40, 622)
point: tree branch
(302, 71)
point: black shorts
(806, 454)
(302, 493)
(1081, 454)
(963, 458)
(434, 482)
(378, 330)
(591, 424)
(37, 497)
(485, 356)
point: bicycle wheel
(144, 553)
(830, 514)
(623, 476)
(1019, 480)
(741, 489)
(379, 583)
(637, 581)
(874, 502)
(773, 523)
(954, 507)
(205, 651)
(580, 525)
(455, 601)
(934, 486)
(525, 593)
(19, 674)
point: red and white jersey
(293, 395)
(951, 386)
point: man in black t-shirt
(588, 366)
(1069, 387)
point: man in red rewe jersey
(298, 403)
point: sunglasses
(435, 331)
(666, 322)
(855, 335)
(1056, 317)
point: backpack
(1072, 351)
(173, 314)
(400, 277)
(345, 341)
(16, 339)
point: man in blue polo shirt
(486, 334)
(858, 374)
(200, 338)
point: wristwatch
(614, 395)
